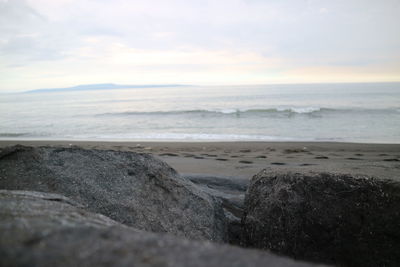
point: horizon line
(149, 85)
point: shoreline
(150, 141)
(244, 159)
(194, 142)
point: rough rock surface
(40, 229)
(230, 191)
(332, 218)
(134, 189)
(26, 216)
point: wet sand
(244, 159)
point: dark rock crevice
(230, 192)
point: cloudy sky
(60, 43)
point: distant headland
(101, 86)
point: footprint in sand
(278, 163)
(359, 154)
(296, 150)
(321, 157)
(234, 156)
(261, 157)
(246, 162)
(391, 159)
(353, 158)
(198, 157)
(169, 154)
(209, 155)
(221, 159)
(307, 164)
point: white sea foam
(304, 109)
(225, 111)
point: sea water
(357, 112)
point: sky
(62, 43)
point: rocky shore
(69, 206)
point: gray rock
(332, 218)
(29, 215)
(40, 229)
(222, 183)
(134, 189)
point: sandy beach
(245, 159)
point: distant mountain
(101, 86)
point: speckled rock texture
(134, 189)
(47, 230)
(333, 218)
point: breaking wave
(250, 112)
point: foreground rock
(28, 216)
(350, 221)
(39, 229)
(134, 189)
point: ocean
(357, 112)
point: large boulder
(134, 189)
(333, 218)
(41, 229)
